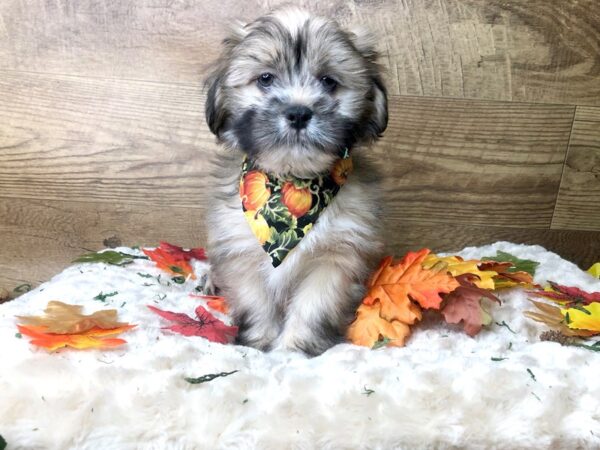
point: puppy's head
(292, 91)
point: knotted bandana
(282, 210)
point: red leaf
(570, 295)
(206, 326)
(464, 303)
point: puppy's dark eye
(266, 79)
(328, 83)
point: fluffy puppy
(291, 91)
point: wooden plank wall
(494, 123)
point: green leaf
(209, 377)
(276, 212)
(497, 359)
(2, 443)
(368, 392)
(594, 347)
(178, 280)
(504, 324)
(102, 296)
(18, 335)
(108, 257)
(381, 343)
(145, 275)
(282, 243)
(22, 288)
(519, 265)
(531, 374)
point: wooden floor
(494, 127)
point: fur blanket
(442, 390)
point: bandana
(282, 210)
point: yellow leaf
(551, 316)
(594, 270)
(584, 317)
(62, 318)
(458, 266)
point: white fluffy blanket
(442, 390)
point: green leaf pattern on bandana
(281, 210)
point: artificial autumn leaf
(505, 277)
(552, 316)
(464, 304)
(396, 285)
(208, 377)
(174, 259)
(62, 318)
(568, 295)
(456, 266)
(594, 270)
(108, 257)
(586, 317)
(206, 326)
(369, 327)
(556, 336)
(92, 338)
(518, 265)
(217, 303)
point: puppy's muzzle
(298, 116)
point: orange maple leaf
(92, 338)
(172, 259)
(369, 327)
(393, 289)
(215, 302)
(396, 285)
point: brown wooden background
(494, 131)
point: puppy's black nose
(298, 116)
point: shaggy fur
(290, 61)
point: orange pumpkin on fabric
(297, 200)
(258, 225)
(254, 190)
(341, 171)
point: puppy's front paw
(205, 284)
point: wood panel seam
(562, 173)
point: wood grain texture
(534, 51)
(82, 139)
(102, 129)
(578, 202)
(580, 247)
(89, 139)
(40, 238)
(473, 162)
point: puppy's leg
(252, 310)
(321, 309)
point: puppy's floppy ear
(365, 44)
(379, 114)
(214, 109)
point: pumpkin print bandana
(282, 210)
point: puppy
(293, 227)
